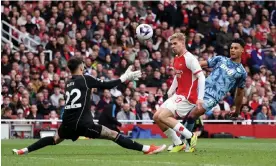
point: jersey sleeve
(241, 83)
(194, 65)
(92, 82)
(213, 61)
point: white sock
(145, 148)
(182, 130)
(25, 150)
(170, 133)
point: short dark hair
(7, 109)
(240, 41)
(74, 63)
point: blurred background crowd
(103, 33)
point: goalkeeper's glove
(131, 75)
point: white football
(144, 32)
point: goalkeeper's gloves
(131, 75)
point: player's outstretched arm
(211, 62)
(97, 83)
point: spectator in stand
(246, 112)
(143, 94)
(34, 114)
(151, 103)
(248, 48)
(224, 39)
(216, 115)
(7, 113)
(204, 26)
(46, 107)
(223, 105)
(266, 103)
(249, 88)
(145, 114)
(143, 80)
(20, 115)
(106, 99)
(257, 58)
(126, 114)
(5, 65)
(272, 34)
(54, 118)
(35, 80)
(56, 96)
(262, 115)
(7, 103)
(128, 95)
(156, 81)
(254, 103)
(108, 116)
(270, 60)
(133, 106)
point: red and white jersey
(186, 67)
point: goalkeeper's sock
(170, 133)
(130, 144)
(40, 144)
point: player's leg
(180, 107)
(209, 103)
(170, 133)
(99, 131)
(193, 115)
(43, 142)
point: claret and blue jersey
(225, 76)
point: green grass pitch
(210, 152)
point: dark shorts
(69, 132)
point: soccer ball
(144, 32)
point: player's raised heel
(155, 149)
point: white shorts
(178, 105)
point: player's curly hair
(240, 41)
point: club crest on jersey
(228, 71)
(178, 73)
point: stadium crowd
(103, 33)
